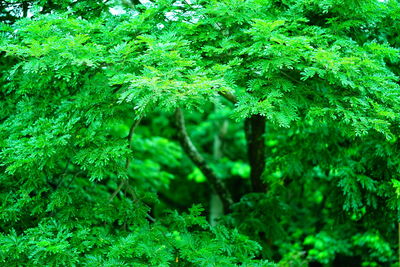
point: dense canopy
(199, 133)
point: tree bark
(216, 205)
(255, 130)
(216, 184)
(25, 9)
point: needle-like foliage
(113, 127)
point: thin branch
(290, 77)
(73, 178)
(129, 137)
(229, 96)
(63, 174)
(128, 159)
(217, 185)
(125, 183)
(136, 200)
(117, 190)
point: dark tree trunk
(25, 9)
(255, 130)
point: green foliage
(93, 171)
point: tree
(112, 126)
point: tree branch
(228, 96)
(128, 159)
(129, 137)
(217, 185)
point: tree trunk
(216, 205)
(191, 151)
(255, 130)
(24, 9)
